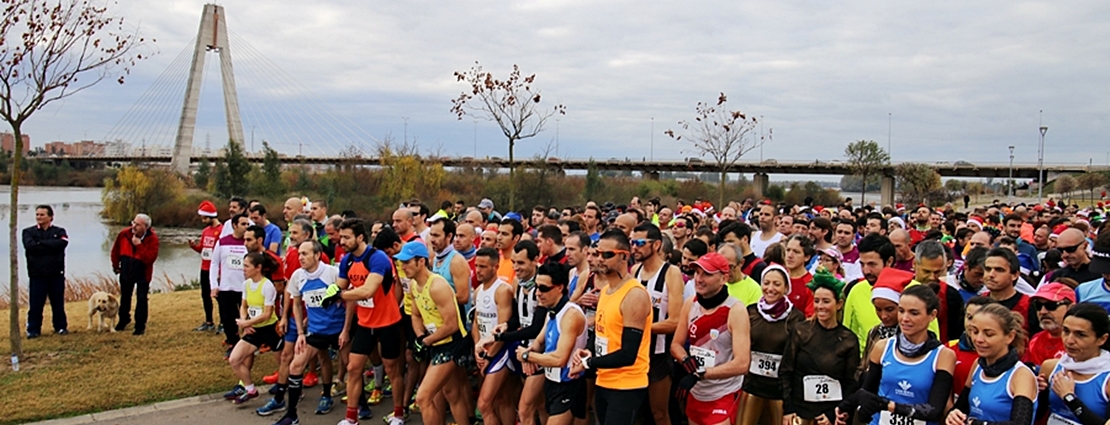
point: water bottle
(15, 363)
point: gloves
(418, 345)
(690, 363)
(685, 384)
(869, 404)
(331, 295)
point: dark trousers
(229, 303)
(206, 295)
(141, 288)
(42, 288)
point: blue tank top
(1091, 392)
(573, 283)
(444, 269)
(991, 399)
(551, 341)
(903, 382)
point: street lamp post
(1010, 193)
(1040, 167)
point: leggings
(206, 295)
(618, 407)
(229, 303)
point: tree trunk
(13, 249)
(863, 192)
(512, 178)
(721, 191)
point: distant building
(7, 142)
(82, 148)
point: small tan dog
(106, 306)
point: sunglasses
(1050, 305)
(637, 243)
(610, 254)
(1070, 249)
(544, 288)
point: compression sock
(327, 389)
(279, 395)
(295, 388)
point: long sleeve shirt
(45, 250)
(226, 271)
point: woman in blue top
(1000, 389)
(1078, 384)
(909, 378)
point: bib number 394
(821, 388)
(765, 364)
(887, 418)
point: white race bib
(486, 325)
(235, 262)
(253, 312)
(314, 298)
(764, 364)
(660, 344)
(431, 328)
(405, 282)
(706, 357)
(887, 418)
(601, 346)
(590, 316)
(1055, 419)
(206, 254)
(367, 303)
(820, 388)
(553, 374)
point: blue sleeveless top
(444, 269)
(991, 399)
(904, 382)
(1091, 392)
(551, 342)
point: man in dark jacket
(133, 256)
(45, 246)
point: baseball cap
(412, 250)
(834, 253)
(485, 203)
(514, 216)
(1100, 254)
(1055, 291)
(713, 263)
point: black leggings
(618, 407)
(206, 295)
(229, 303)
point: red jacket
(144, 253)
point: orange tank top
(610, 329)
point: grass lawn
(87, 372)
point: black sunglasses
(544, 288)
(610, 254)
(1070, 249)
(1050, 305)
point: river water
(90, 238)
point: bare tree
(512, 103)
(50, 50)
(724, 135)
(866, 159)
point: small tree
(722, 134)
(594, 183)
(955, 186)
(512, 103)
(1065, 185)
(917, 181)
(1090, 181)
(50, 50)
(203, 173)
(270, 182)
(866, 158)
(231, 174)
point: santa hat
(890, 284)
(900, 207)
(1056, 231)
(207, 209)
(975, 220)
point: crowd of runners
(747, 313)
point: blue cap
(412, 250)
(514, 216)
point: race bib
(367, 303)
(821, 388)
(314, 298)
(405, 282)
(553, 374)
(764, 364)
(206, 254)
(253, 312)
(431, 328)
(660, 344)
(1055, 419)
(887, 418)
(706, 357)
(486, 325)
(601, 346)
(590, 316)
(235, 262)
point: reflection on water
(90, 239)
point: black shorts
(322, 342)
(564, 396)
(459, 350)
(265, 336)
(410, 335)
(618, 407)
(659, 367)
(388, 338)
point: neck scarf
(999, 367)
(713, 301)
(440, 256)
(528, 284)
(558, 307)
(912, 350)
(774, 312)
(1090, 366)
(469, 254)
(883, 332)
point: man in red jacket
(133, 256)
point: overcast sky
(960, 80)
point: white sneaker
(346, 422)
(394, 420)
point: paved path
(212, 410)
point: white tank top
(485, 307)
(656, 286)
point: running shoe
(339, 389)
(311, 379)
(286, 420)
(235, 392)
(375, 397)
(274, 389)
(204, 327)
(345, 421)
(219, 329)
(364, 412)
(270, 407)
(388, 391)
(393, 420)
(62, 331)
(245, 397)
(270, 379)
(389, 417)
(414, 408)
(324, 406)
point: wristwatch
(525, 356)
(1069, 397)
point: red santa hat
(890, 284)
(207, 209)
